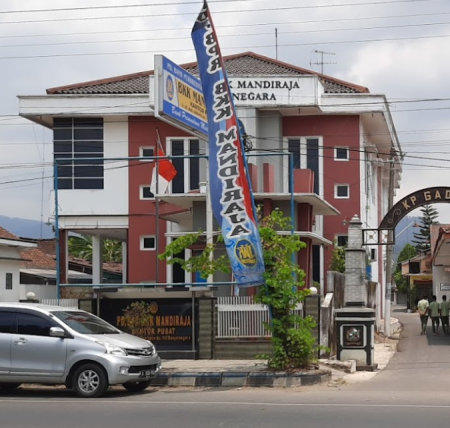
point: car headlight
(151, 346)
(113, 349)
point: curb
(240, 379)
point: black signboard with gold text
(167, 323)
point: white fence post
(64, 303)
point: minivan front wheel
(90, 380)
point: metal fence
(241, 317)
(64, 303)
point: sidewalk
(240, 373)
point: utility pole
(387, 301)
(276, 43)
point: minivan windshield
(85, 323)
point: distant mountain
(26, 228)
(404, 233)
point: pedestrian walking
(434, 313)
(416, 302)
(445, 310)
(423, 308)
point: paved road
(413, 391)
(422, 363)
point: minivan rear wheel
(90, 380)
(9, 387)
(137, 386)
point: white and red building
(340, 134)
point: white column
(97, 260)
(124, 262)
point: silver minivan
(54, 345)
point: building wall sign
(167, 323)
(282, 91)
(177, 97)
(431, 195)
(445, 287)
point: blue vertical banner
(229, 185)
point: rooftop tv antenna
(321, 63)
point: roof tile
(36, 258)
(8, 235)
(247, 63)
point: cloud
(404, 70)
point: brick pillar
(355, 266)
(269, 178)
(253, 172)
(267, 207)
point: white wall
(41, 291)
(271, 133)
(9, 266)
(113, 199)
(440, 276)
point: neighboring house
(440, 239)
(429, 272)
(340, 135)
(419, 272)
(10, 259)
(38, 270)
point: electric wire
(233, 11)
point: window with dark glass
(188, 168)
(342, 191)
(341, 153)
(342, 240)
(146, 193)
(312, 160)
(9, 281)
(178, 185)
(148, 243)
(194, 165)
(178, 273)
(147, 152)
(33, 325)
(294, 148)
(80, 139)
(6, 322)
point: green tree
(81, 247)
(292, 339)
(408, 252)
(422, 238)
(337, 263)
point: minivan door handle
(21, 341)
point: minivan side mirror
(57, 332)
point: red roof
(4, 234)
(34, 258)
(246, 63)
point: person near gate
(445, 310)
(423, 307)
(435, 314)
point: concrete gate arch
(381, 236)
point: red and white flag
(163, 173)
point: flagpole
(209, 215)
(158, 142)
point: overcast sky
(394, 47)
